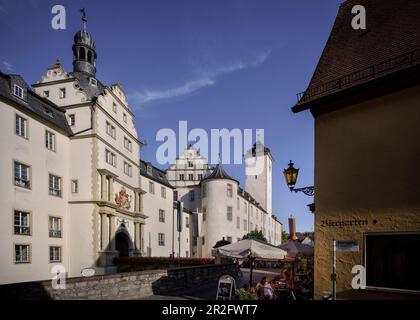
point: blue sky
(217, 64)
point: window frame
(53, 141)
(29, 222)
(19, 88)
(52, 190)
(25, 127)
(60, 254)
(29, 175)
(151, 187)
(62, 93)
(161, 239)
(229, 213)
(162, 215)
(55, 233)
(72, 118)
(229, 190)
(29, 253)
(74, 185)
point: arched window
(82, 55)
(89, 56)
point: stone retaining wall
(130, 285)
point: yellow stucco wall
(367, 167)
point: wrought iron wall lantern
(291, 175)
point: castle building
(228, 211)
(75, 194)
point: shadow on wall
(25, 291)
(179, 279)
(121, 245)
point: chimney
(292, 228)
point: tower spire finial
(84, 19)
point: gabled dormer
(18, 87)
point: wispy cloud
(205, 79)
(7, 66)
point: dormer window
(149, 169)
(18, 91)
(46, 94)
(49, 113)
(93, 82)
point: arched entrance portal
(122, 244)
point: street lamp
(291, 175)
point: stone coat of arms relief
(123, 199)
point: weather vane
(84, 19)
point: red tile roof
(393, 32)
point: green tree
(254, 234)
(284, 237)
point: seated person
(268, 291)
(259, 286)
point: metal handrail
(373, 71)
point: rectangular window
(163, 192)
(161, 215)
(229, 213)
(18, 91)
(151, 187)
(200, 177)
(187, 222)
(238, 204)
(251, 226)
(54, 185)
(238, 222)
(110, 130)
(245, 225)
(128, 169)
(55, 254)
(62, 93)
(393, 260)
(72, 119)
(74, 186)
(46, 94)
(125, 118)
(54, 227)
(21, 127)
(22, 253)
(181, 177)
(161, 239)
(114, 107)
(50, 140)
(252, 210)
(110, 158)
(22, 175)
(175, 195)
(190, 164)
(192, 195)
(128, 144)
(22, 223)
(191, 177)
(229, 190)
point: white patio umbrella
(251, 249)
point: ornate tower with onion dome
(84, 53)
